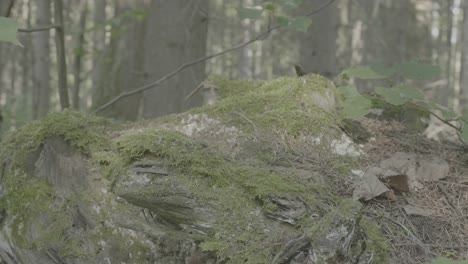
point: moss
(284, 103)
(35, 208)
(376, 244)
(239, 191)
(85, 133)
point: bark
(99, 41)
(41, 89)
(176, 33)
(464, 58)
(244, 59)
(79, 48)
(61, 56)
(5, 7)
(318, 46)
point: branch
(188, 64)
(41, 28)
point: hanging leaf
(418, 71)
(391, 96)
(354, 105)
(299, 23)
(8, 30)
(245, 12)
(409, 92)
(367, 72)
(289, 4)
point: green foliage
(299, 23)
(371, 72)
(391, 96)
(407, 70)
(8, 30)
(355, 105)
(418, 71)
(278, 10)
(250, 12)
(399, 95)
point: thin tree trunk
(464, 58)
(61, 59)
(243, 64)
(41, 94)
(99, 41)
(78, 56)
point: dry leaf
(398, 183)
(369, 187)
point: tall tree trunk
(464, 58)
(127, 69)
(99, 41)
(244, 60)
(318, 45)
(41, 94)
(61, 56)
(5, 7)
(176, 34)
(79, 48)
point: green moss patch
(286, 103)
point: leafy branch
(357, 105)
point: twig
(188, 64)
(248, 120)
(41, 28)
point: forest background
(114, 47)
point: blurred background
(116, 46)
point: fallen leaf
(414, 210)
(398, 183)
(369, 188)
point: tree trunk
(41, 94)
(79, 48)
(61, 56)
(318, 46)
(99, 41)
(464, 58)
(244, 59)
(176, 34)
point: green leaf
(464, 116)
(289, 4)
(354, 105)
(418, 71)
(391, 96)
(449, 114)
(269, 6)
(8, 30)
(367, 72)
(299, 23)
(245, 12)
(409, 92)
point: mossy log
(218, 184)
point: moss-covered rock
(219, 179)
